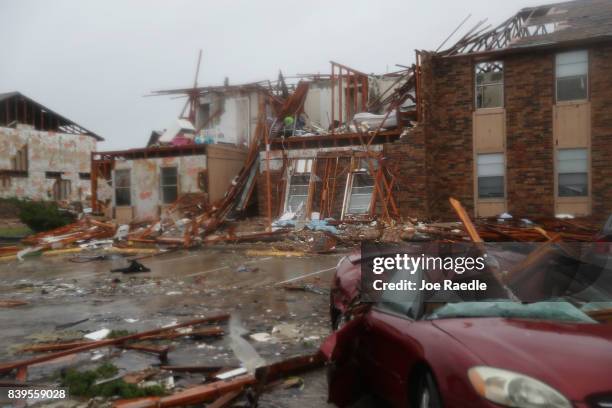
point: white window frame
(587, 172)
(349, 193)
(503, 176)
(500, 83)
(162, 185)
(298, 167)
(129, 188)
(557, 77)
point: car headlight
(514, 390)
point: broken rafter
(516, 27)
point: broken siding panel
(236, 116)
(224, 163)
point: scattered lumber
(12, 303)
(8, 367)
(225, 391)
(191, 396)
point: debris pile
(162, 385)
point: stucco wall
(145, 181)
(47, 151)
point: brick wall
(601, 131)
(434, 161)
(406, 158)
(529, 99)
(449, 137)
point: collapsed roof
(18, 108)
(545, 25)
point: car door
(387, 348)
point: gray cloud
(94, 60)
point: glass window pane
(572, 57)
(402, 301)
(572, 154)
(490, 96)
(489, 84)
(491, 187)
(122, 178)
(489, 73)
(568, 70)
(169, 176)
(361, 193)
(490, 164)
(294, 202)
(298, 190)
(493, 96)
(359, 203)
(572, 161)
(573, 185)
(572, 88)
(169, 194)
(123, 197)
(572, 166)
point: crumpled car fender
(343, 376)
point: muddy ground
(181, 286)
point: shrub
(42, 215)
(83, 384)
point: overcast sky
(93, 61)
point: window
(299, 183)
(298, 191)
(169, 184)
(61, 190)
(123, 190)
(490, 172)
(490, 85)
(5, 181)
(572, 75)
(404, 302)
(362, 186)
(53, 174)
(572, 168)
(85, 176)
(203, 181)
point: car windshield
(560, 311)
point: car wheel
(427, 394)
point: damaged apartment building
(516, 118)
(193, 160)
(43, 155)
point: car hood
(573, 358)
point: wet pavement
(181, 286)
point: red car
(470, 354)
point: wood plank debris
(8, 367)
